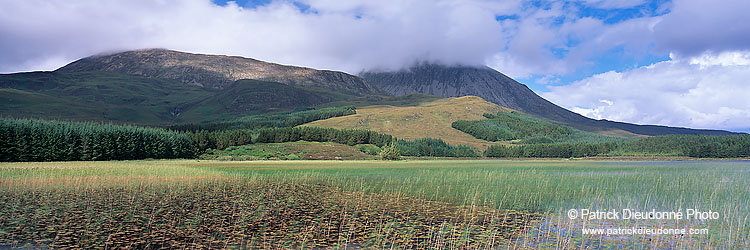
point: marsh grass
(234, 213)
(553, 187)
(354, 204)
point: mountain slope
(163, 87)
(459, 81)
(420, 120)
(98, 96)
(216, 71)
(500, 89)
(116, 97)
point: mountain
(216, 71)
(162, 87)
(495, 87)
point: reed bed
(364, 204)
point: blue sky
(613, 59)
(677, 63)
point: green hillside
(122, 98)
(529, 136)
(96, 96)
(277, 120)
(521, 128)
(251, 97)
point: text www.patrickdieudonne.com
(643, 231)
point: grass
(423, 204)
(301, 150)
(429, 119)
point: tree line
(505, 126)
(699, 146)
(40, 140)
(419, 147)
(435, 148)
(549, 150)
(223, 139)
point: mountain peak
(495, 87)
(461, 80)
(215, 71)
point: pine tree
(390, 152)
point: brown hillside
(431, 119)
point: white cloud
(695, 26)
(534, 38)
(706, 91)
(731, 58)
(552, 39)
(341, 35)
(614, 4)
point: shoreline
(591, 158)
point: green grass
(272, 188)
(300, 150)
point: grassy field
(429, 119)
(353, 204)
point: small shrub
(390, 152)
(368, 149)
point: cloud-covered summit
(519, 38)
(340, 35)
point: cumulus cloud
(341, 35)
(541, 38)
(614, 4)
(541, 44)
(555, 40)
(693, 27)
(707, 91)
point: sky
(678, 63)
